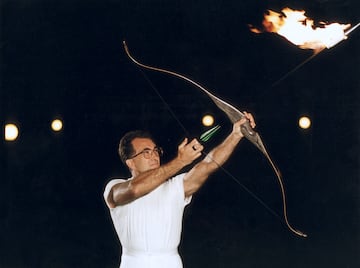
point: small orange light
(11, 132)
(304, 122)
(208, 120)
(56, 125)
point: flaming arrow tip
(352, 29)
(333, 41)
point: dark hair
(126, 148)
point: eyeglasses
(147, 153)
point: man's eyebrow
(147, 148)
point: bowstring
(186, 132)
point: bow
(234, 115)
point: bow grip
(247, 130)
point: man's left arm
(197, 176)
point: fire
(300, 30)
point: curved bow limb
(234, 115)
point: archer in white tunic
(147, 210)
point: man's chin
(154, 166)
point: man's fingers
(196, 146)
(183, 143)
(250, 117)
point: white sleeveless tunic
(149, 228)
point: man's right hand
(188, 152)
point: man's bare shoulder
(110, 185)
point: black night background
(65, 59)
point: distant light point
(11, 132)
(56, 125)
(304, 122)
(208, 120)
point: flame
(300, 30)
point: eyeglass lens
(148, 152)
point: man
(147, 209)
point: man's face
(140, 163)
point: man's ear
(130, 163)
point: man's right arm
(127, 191)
